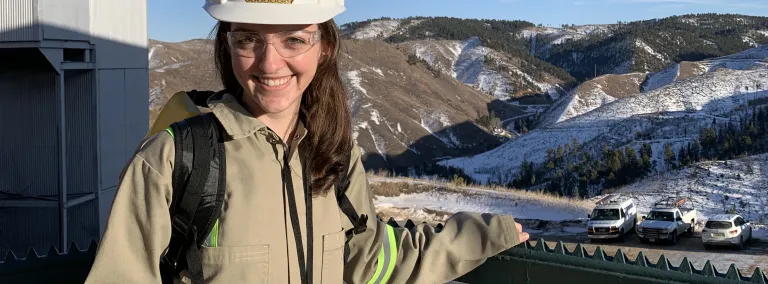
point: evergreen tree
(746, 143)
(575, 144)
(646, 152)
(683, 157)
(669, 156)
(634, 169)
(696, 151)
(550, 165)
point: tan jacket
(254, 240)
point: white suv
(726, 229)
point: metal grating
(80, 108)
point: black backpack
(199, 184)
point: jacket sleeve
(419, 255)
(138, 227)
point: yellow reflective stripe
(170, 131)
(392, 253)
(379, 266)
(387, 257)
(215, 234)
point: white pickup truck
(666, 221)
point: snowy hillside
(754, 58)
(713, 187)
(672, 114)
(591, 95)
(605, 89)
(467, 61)
(396, 128)
(379, 29)
(543, 38)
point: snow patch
(641, 44)
(355, 80)
(171, 66)
(377, 70)
(662, 78)
(436, 122)
(377, 29)
(375, 116)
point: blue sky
(179, 20)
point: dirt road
(755, 255)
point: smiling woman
(295, 206)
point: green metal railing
(523, 264)
(541, 264)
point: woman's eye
(295, 40)
(247, 40)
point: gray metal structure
(74, 105)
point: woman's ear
(325, 53)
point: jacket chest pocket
(333, 258)
(243, 264)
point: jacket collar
(238, 122)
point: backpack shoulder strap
(341, 186)
(199, 179)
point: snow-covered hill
(543, 38)
(485, 69)
(754, 58)
(379, 29)
(607, 88)
(394, 126)
(671, 114)
(591, 95)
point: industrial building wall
(65, 19)
(17, 20)
(123, 120)
(119, 30)
(29, 148)
(119, 33)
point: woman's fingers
(523, 235)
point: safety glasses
(288, 43)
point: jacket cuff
(510, 230)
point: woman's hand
(523, 235)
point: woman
(284, 100)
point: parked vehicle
(667, 221)
(613, 217)
(726, 229)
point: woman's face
(273, 82)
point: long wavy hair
(324, 110)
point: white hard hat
(274, 12)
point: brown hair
(324, 110)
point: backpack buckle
(360, 225)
